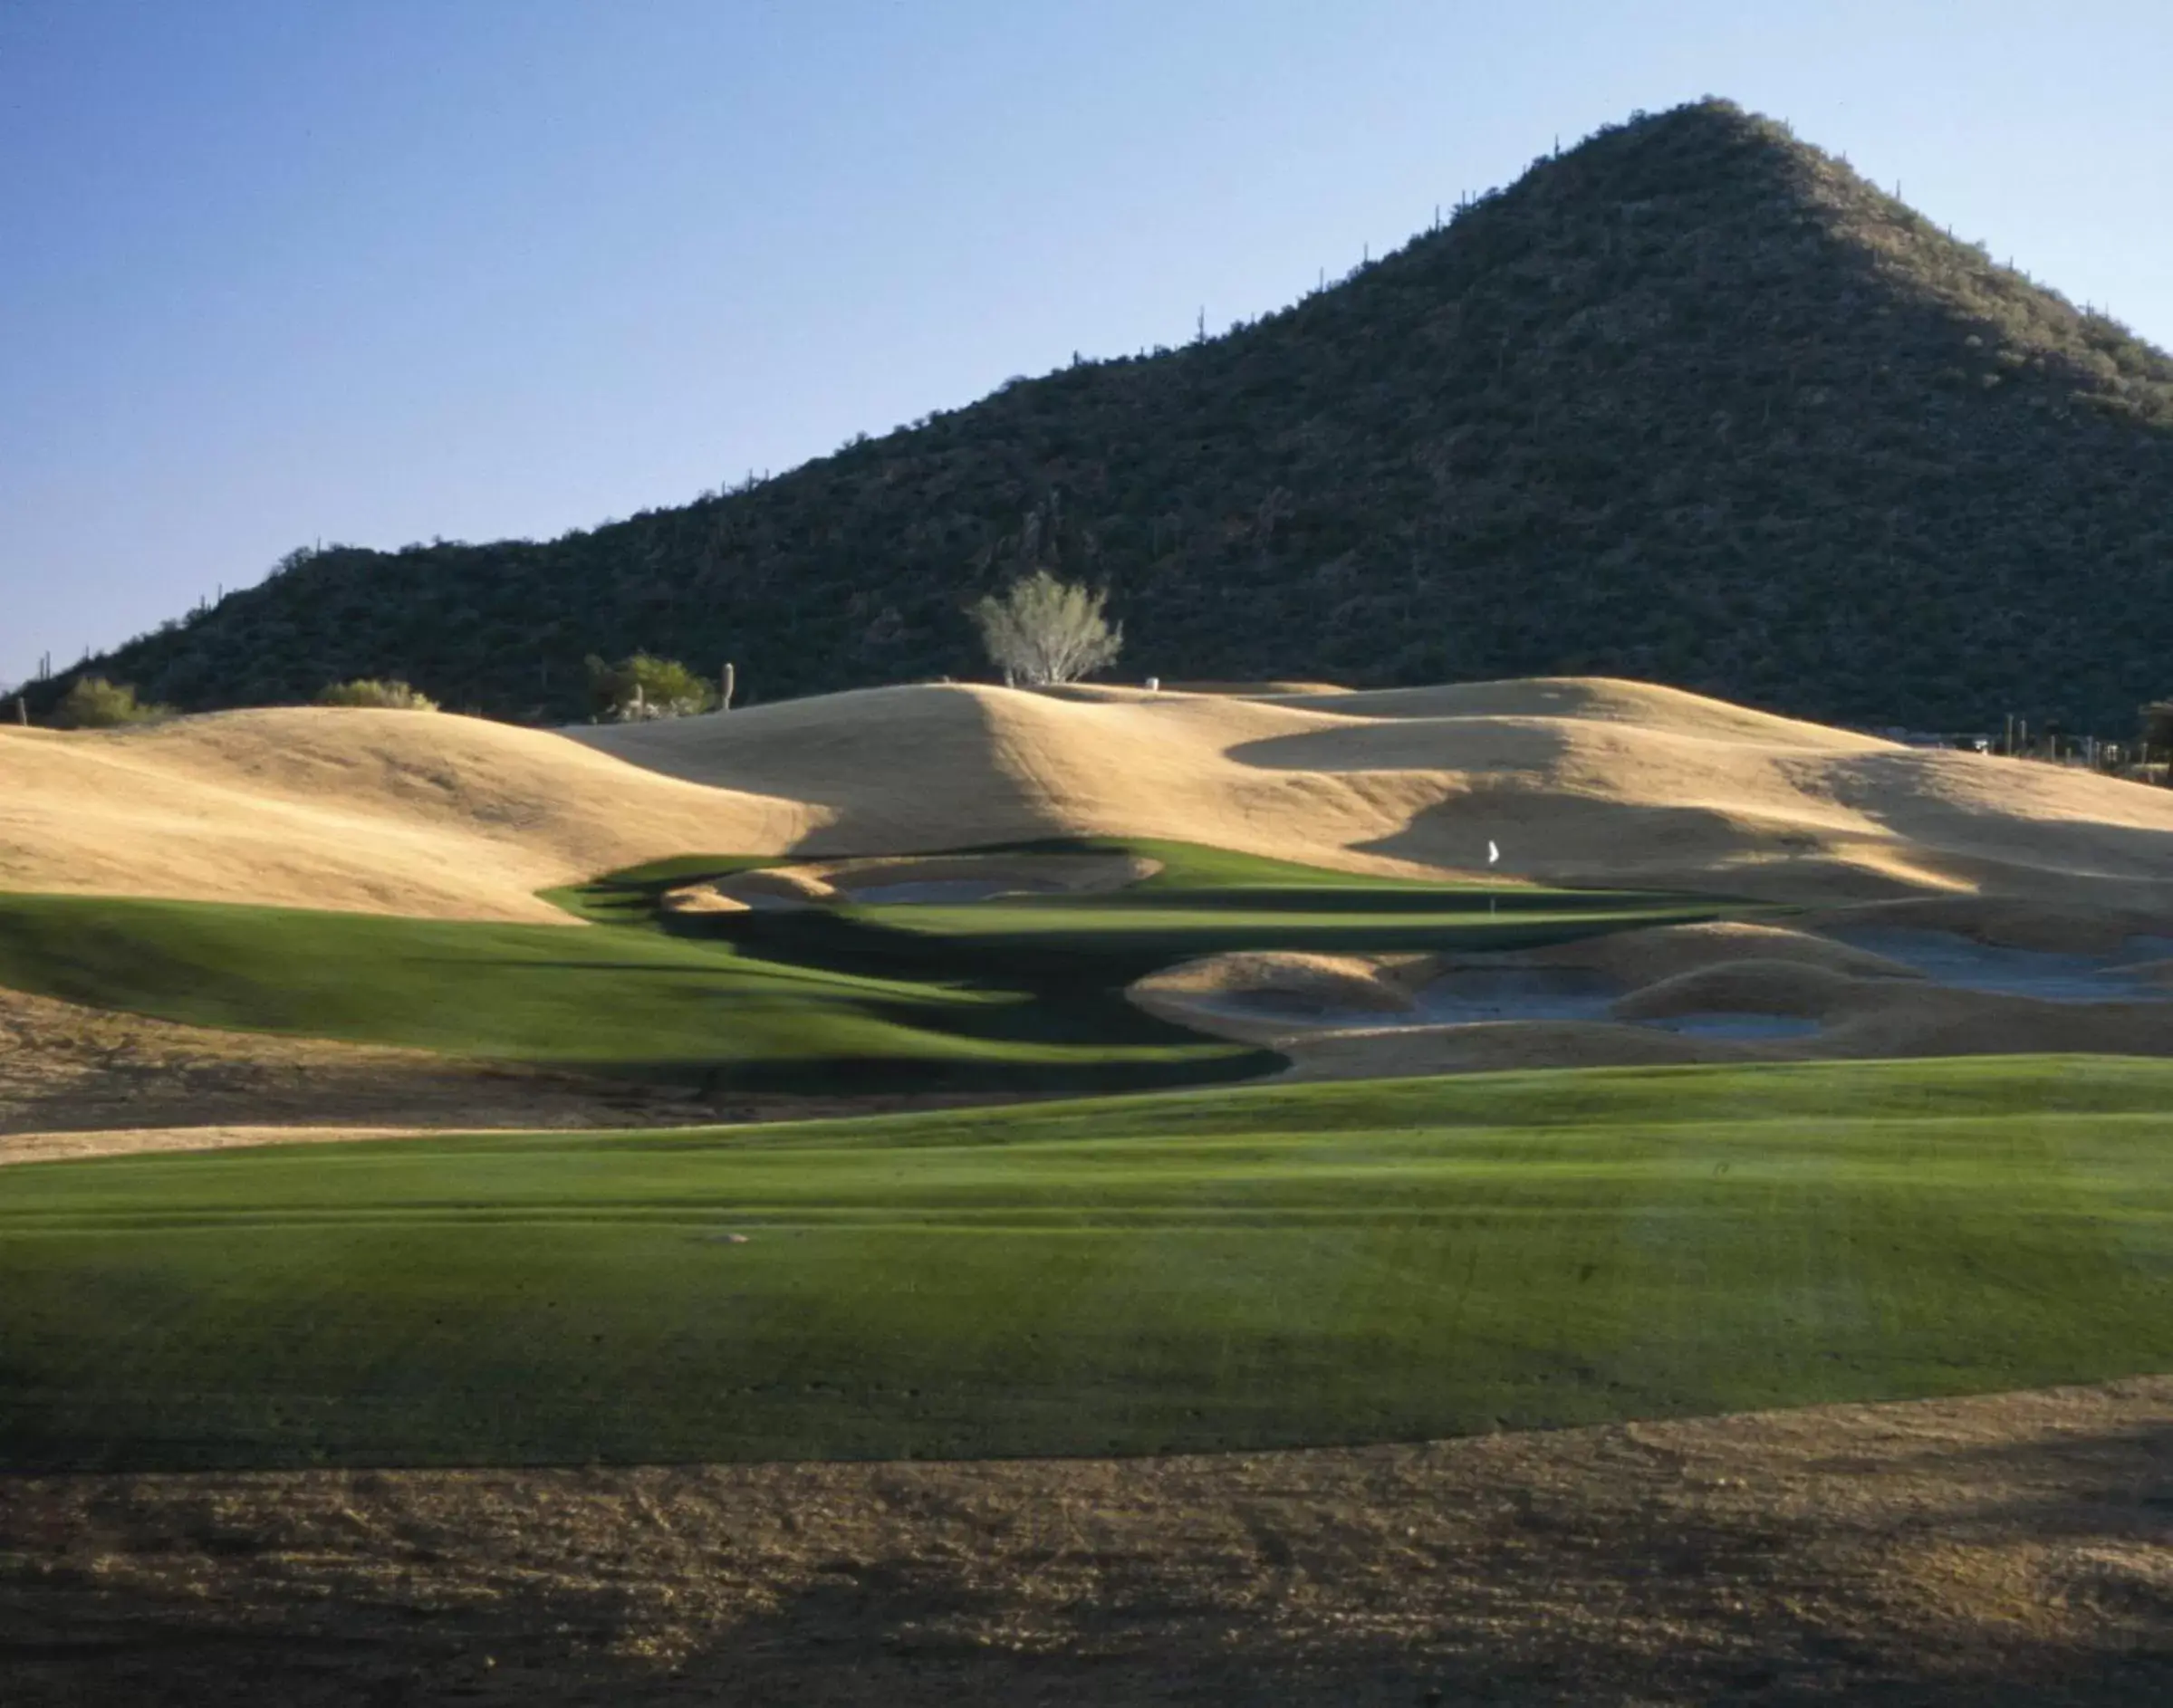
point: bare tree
(1041, 630)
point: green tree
(1041, 630)
(646, 687)
(393, 696)
(95, 703)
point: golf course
(961, 1078)
(1086, 856)
(1211, 1270)
(1023, 994)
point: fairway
(1002, 997)
(1239, 1268)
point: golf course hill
(1047, 1073)
(1579, 781)
(1691, 401)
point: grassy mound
(1244, 1268)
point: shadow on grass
(1104, 951)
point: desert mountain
(1692, 401)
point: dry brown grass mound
(1579, 781)
(1383, 984)
(353, 809)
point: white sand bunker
(1464, 995)
(1720, 980)
(1734, 1008)
(1744, 1028)
(938, 891)
(1716, 991)
(1726, 991)
(915, 879)
(2129, 974)
(1472, 996)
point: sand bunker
(1701, 993)
(949, 879)
(2087, 923)
(1502, 1046)
(1579, 781)
(1947, 957)
(1744, 979)
(1642, 957)
(1782, 988)
(1742, 1028)
(1461, 997)
(1464, 994)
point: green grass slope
(1244, 1268)
(1025, 998)
(641, 1003)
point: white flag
(1494, 854)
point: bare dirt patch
(2006, 1549)
(81, 1082)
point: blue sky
(380, 270)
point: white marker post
(1493, 858)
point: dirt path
(2009, 1549)
(128, 1141)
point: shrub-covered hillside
(1692, 401)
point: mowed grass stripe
(1253, 1268)
(1273, 1178)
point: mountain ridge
(1691, 402)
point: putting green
(1239, 1268)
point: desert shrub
(392, 696)
(95, 703)
(646, 687)
(1041, 630)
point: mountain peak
(1691, 401)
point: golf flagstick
(1493, 858)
